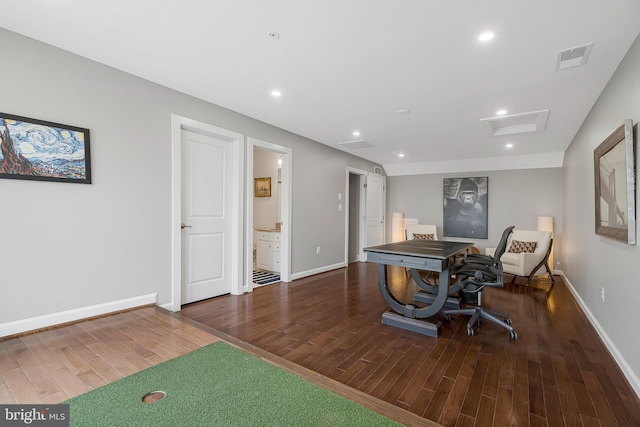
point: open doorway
(268, 224)
(365, 219)
(355, 230)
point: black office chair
(474, 274)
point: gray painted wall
(515, 198)
(67, 246)
(593, 261)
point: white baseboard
(48, 320)
(619, 358)
(319, 270)
(168, 306)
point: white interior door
(375, 210)
(206, 216)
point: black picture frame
(465, 203)
(615, 191)
(40, 150)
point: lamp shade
(545, 223)
(397, 227)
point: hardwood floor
(558, 373)
(54, 365)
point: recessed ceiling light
(509, 145)
(356, 133)
(501, 112)
(485, 37)
(274, 34)
(276, 93)
(403, 112)
(400, 154)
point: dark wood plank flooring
(558, 372)
(52, 365)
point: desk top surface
(422, 248)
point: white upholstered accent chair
(421, 231)
(523, 258)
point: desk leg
(407, 316)
(427, 294)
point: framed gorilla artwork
(465, 207)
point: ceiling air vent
(573, 57)
(360, 143)
(535, 121)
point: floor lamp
(545, 223)
(397, 227)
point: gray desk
(430, 255)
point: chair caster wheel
(470, 332)
(508, 321)
(513, 335)
(447, 317)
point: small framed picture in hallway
(262, 187)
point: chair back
(421, 231)
(502, 245)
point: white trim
(285, 211)
(178, 123)
(622, 363)
(53, 319)
(532, 161)
(319, 270)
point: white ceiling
(345, 65)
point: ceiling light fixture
(276, 93)
(509, 145)
(356, 133)
(403, 112)
(400, 154)
(485, 37)
(501, 112)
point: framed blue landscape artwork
(39, 150)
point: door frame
(285, 210)
(362, 235)
(178, 123)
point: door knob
(183, 226)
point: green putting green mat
(218, 385)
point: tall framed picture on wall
(465, 207)
(615, 185)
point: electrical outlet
(318, 250)
(602, 293)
